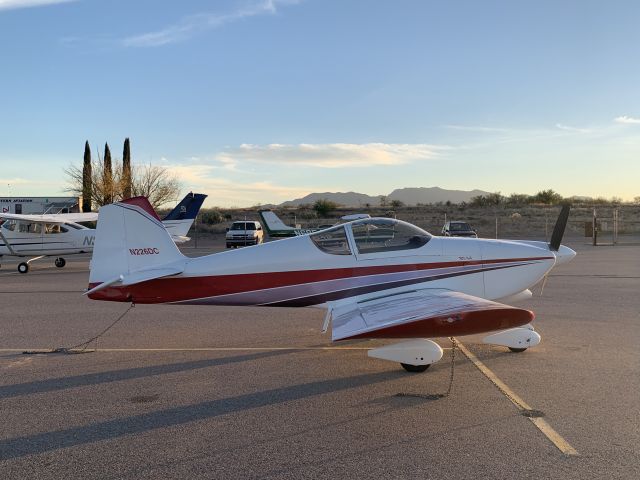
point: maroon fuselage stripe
(176, 289)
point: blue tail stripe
(188, 208)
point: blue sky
(255, 101)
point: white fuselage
(295, 272)
(24, 239)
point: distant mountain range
(408, 196)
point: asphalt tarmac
(221, 393)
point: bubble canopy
(371, 235)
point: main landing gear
(415, 355)
(419, 354)
(415, 368)
(24, 266)
(515, 339)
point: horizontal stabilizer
(139, 277)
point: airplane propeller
(556, 237)
(558, 230)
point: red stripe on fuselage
(177, 289)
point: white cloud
(331, 155)
(15, 4)
(193, 24)
(627, 120)
(224, 192)
(572, 129)
(218, 175)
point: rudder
(129, 240)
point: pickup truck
(241, 234)
(458, 229)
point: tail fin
(131, 246)
(180, 219)
(143, 203)
(188, 208)
(274, 226)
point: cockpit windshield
(333, 241)
(385, 234)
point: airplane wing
(52, 218)
(421, 314)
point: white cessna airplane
(59, 235)
(376, 277)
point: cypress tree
(107, 176)
(87, 184)
(126, 169)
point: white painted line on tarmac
(539, 422)
(195, 349)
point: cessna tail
(179, 220)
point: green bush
(323, 207)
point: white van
(241, 234)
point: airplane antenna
(558, 230)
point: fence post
(595, 225)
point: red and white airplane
(377, 278)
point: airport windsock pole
(126, 169)
(107, 176)
(87, 184)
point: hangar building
(39, 205)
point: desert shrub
(212, 217)
(548, 197)
(323, 207)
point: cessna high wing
(59, 235)
(376, 277)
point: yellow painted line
(539, 422)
